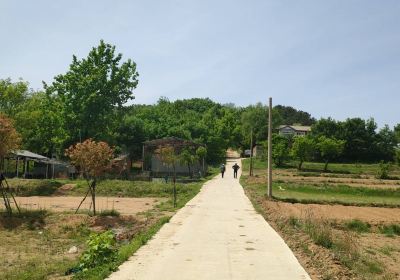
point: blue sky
(338, 58)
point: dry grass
(35, 245)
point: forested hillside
(89, 101)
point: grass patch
(390, 230)
(358, 226)
(329, 194)
(111, 212)
(35, 244)
(120, 188)
(34, 187)
(318, 167)
(124, 252)
(387, 250)
(319, 231)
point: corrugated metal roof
(28, 154)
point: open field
(124, 205)
(293, 186)
(337, 230)
(316, 168)
(35, 244)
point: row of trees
(363, 142)
(88, 102)
(305, 148)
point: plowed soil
(336, 212)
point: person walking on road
(222, 169)
(235, 167)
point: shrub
(390, 230)
(101, 249)
(358, 226)
(383, 171)
(112, 212)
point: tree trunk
(326, 166)
(300, 164)
(94, 197)
(190, 173)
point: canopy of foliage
(91, 157)
(9, 137)
(88, 101)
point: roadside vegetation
(337, 230)
(35, 244)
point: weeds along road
(217, 235)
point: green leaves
(302, 149)
(12, 96)
(91, 91)
(101, 249)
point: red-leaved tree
(9, 140)
(93, 159)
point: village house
(153, 164)
(296, 130)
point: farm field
(344, 224)
(36, 243)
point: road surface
(218, 235)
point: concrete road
(218, 235)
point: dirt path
(124, 205)
(217, 235)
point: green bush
(112, 212)
(383, 171)
(390, 230)
(101, 249)
(358, 226)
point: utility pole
(143, 158)
(251, 153)
(270, 148)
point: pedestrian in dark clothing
(222, 169)
(235, 167)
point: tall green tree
(291, 115)
(255, 118)
(41, 125)
(326, 127)
(188, 157)
(130, 136)
(201, 153)
(280, 149)
(12, 96)
(91, 91)
(303, 148)
(329, 148)
(386, 142)
(397, 132)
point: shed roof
(28, 154)
(297, 127)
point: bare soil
(124, 205)
(365, 181)
(373, 215)
(320, 262)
